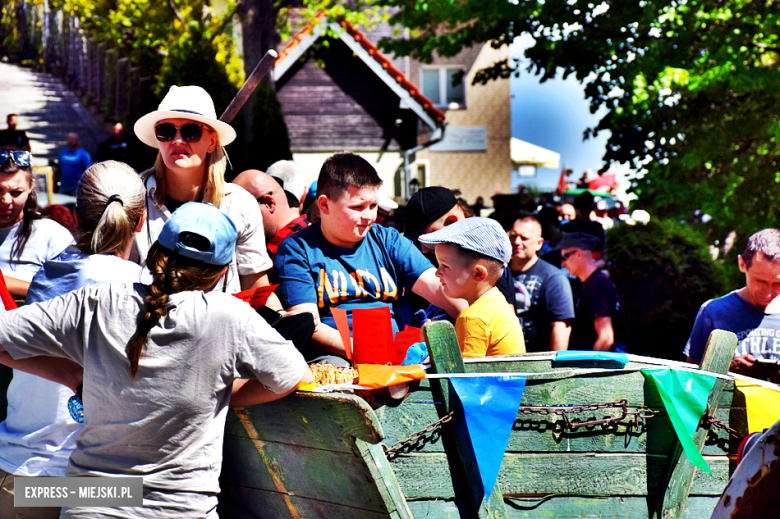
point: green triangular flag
(685, 395)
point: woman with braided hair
(39, 434)
(158, 380)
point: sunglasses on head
(20, 158)
(190, 132)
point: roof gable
(409, 94)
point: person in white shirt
(27, 239)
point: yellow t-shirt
(489, 327)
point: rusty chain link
(565, 411)
(714, 422)
(412, 438)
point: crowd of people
(138, 297)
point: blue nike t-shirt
(309, 269)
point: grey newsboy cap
(481, 235)
(580, 240)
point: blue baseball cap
(207, 222)
(482, 235)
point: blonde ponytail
(110, 204)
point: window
(436, 85)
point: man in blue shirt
(73, 161)
(747, 312)
(345, 260)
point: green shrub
(663, 272)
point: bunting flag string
(684, 395)
(490, 406)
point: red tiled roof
(386, 64)
(298, 38)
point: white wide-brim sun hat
(187, 102)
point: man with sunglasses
(598, 323)
(73, 161)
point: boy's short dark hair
(468, 257)
(342, 170)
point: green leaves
(692, 89)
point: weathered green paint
(446, 358)
(304, 457)
(381, 471)
(299, 457)
(348, 417)
(534, 433)
(680, 474)
(424, 476)
(567, 507)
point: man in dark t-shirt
(543, 299)
(599, 323)
(12, 138)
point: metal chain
(714, 422)
(399, 445)
(565, 411)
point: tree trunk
(258, 27)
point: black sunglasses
(20, 158)
(568, 255)
(190, 132)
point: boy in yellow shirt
(472, 254)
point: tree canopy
(690, 87)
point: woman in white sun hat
(190, 167)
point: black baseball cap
(427, 205)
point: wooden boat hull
(318, 455)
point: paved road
(47, 110)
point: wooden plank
(237, 502)
(335, 477)
(424, 476)
(316, 465)
(535, 433)
(383, 473)
(680, 472)
(323, 421)
(446, 358)
(564, 507)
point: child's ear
(322, 204)
(480, 272)
(450, 220)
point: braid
(171, 274)
(158, 301)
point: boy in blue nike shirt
(346, 261)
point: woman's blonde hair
(172, 274)
(214, 190)
(110, 204)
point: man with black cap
(599, 323)
(431, 209)
(583, 205)
(279, 207)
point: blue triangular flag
(490, 405)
